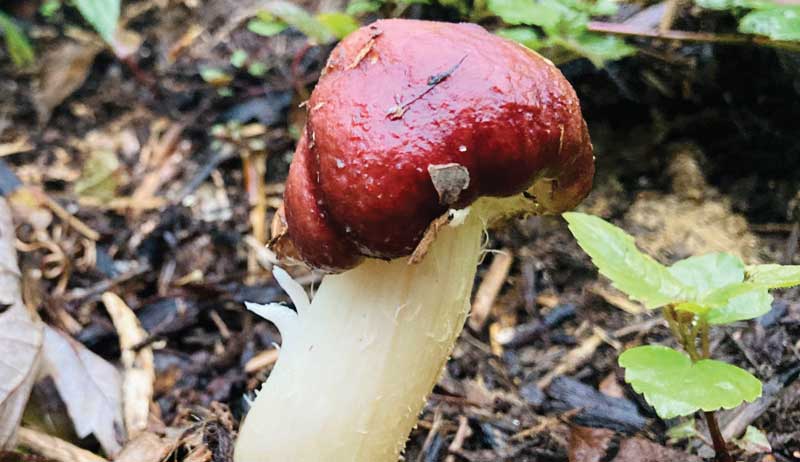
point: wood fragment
(147, 447)
(461, 436)
(490, 287)
(617, 299)
(262, 360)
(139, 375)
(428, 238)
(572, 360)
(17, 146)
(54, 448)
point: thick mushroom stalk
(419, 135)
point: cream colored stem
(357, 364)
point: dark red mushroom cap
(403, 101)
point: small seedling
(694, 294)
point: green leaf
(102, 15)
(545, 14)
(604, 8)
(742, 307)
(675, 386)
(339, 24)
(359, 7)
(301, 20)
(266, 28)
(777, 23)
(19, 49)
(596, 47)
(257, 69)
(215, 77)
(238, 58)
(724, 5)
(709, 272)
(524, 35)
(614, 253)
(49, 8)
(774, 276)
(720, 297)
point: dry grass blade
(139, 375)
(20, 336)
(53, 448)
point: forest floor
(140, 188)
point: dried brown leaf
(90, 387)
(147, 447)
(64, 69)
(641, 450)
(588, 444)
(20, 337)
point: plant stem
(720, 447)
(704, 339)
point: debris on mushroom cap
(412, 118)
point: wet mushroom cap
(412, 118)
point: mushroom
(419, 135)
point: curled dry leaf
(90, 387)
(20, 337)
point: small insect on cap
(412, 118)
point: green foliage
(340, 24)
(615, 254)
(49, 8)
(102, 15)
(773, 276)
(697, 292)
(19, 49)
(266, 25)
(777, 21)
(675, 385)
(295, 16)
(323, 28)
(523, 35)
(238, 58)
(564, 23)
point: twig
(396, 112)
(490, 288)
(54, 448)
(139, 375)
(687, 36)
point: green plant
(559, 28)
(778, 21)
(103, 15)
(19, 49)
(694, 294)
(322, 28)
